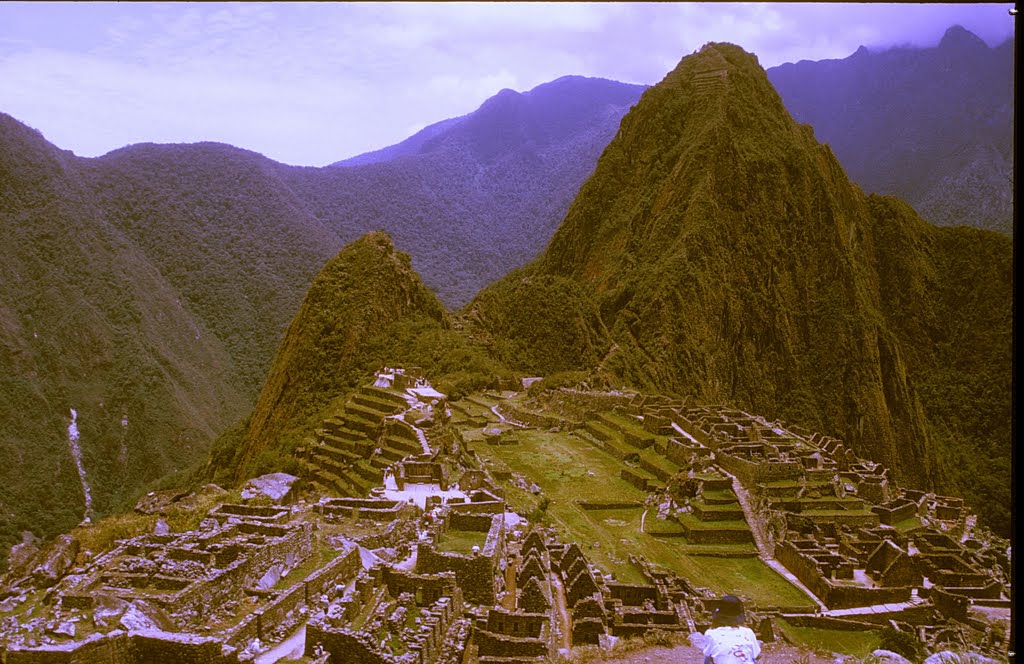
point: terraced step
(329, 464)
(714, 532)
(334, 423)
(715, 483)
(391, 454)
(360, 485)
(361, 446)
(357, 422)
(363, 412)
(790, 488)
(388, 396)
(341, 456)
(364, 471)
(379, 462)
(719, 497)
(371, 401)
(849, 503)
(335, 483)
(340, 432)
(587, 435)
(406, 445)
(658, 465)
(639, 478)
(482, 401)
(628, 430)
(706, 512)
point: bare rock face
(140, 615)
(21, 558)
(54, 561)
(135, 619)
(949, 657)
(276, 486)
(108, 610)
(161, 527)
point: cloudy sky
(314, 83)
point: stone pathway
(876, 608)
(558, 599)
(756, 527)
(291, 648)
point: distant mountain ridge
(933, 126)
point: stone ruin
(396, 544)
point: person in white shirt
(728, 640)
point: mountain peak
(958, 37)
(341, 333)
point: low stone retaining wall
(597, 505)
(118, 647)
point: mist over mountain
(720, 251)
(933, 126)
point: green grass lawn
(908, 524)
(854, 643)
(559, 464)
(461, 541)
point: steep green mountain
(88, 325)
(720, 251)
(361, 305)
(933, 126)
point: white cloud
(312, 83)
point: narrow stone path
(292, 647)
(503, 419)
(509, 600)
(876, 608)
(558, 599)
(756, 527)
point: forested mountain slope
(88, 323)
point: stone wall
(835, 596)
(117, 647)
(344, 645)
(751, 474)
(262, 622)
(529, 418)
(593, 401)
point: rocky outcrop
(55, 560)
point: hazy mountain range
(149, 288)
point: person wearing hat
(728, 640)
